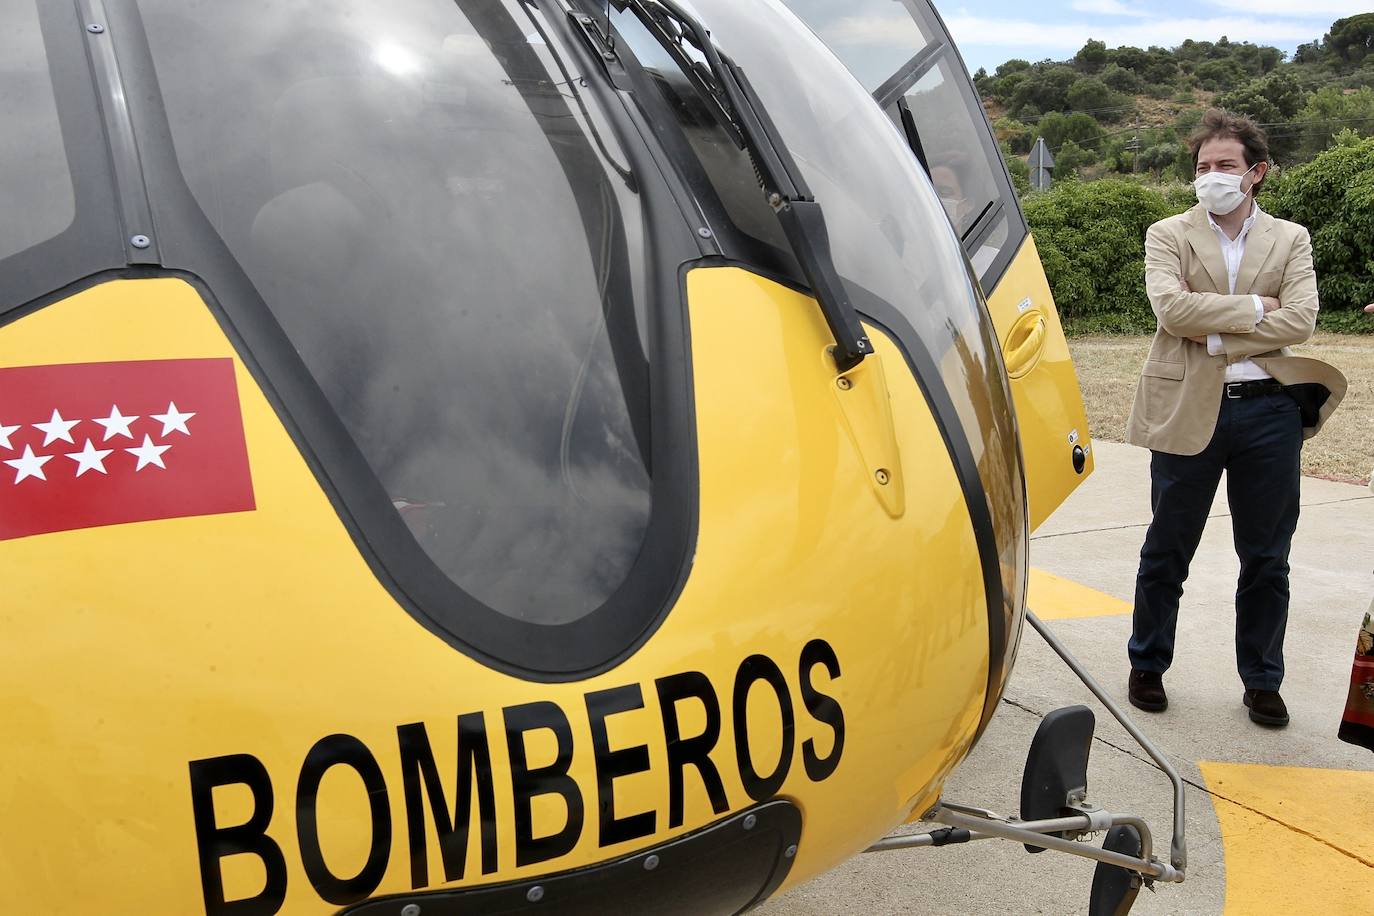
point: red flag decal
(90, 444)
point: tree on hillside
(1092, 57)
(1046, 86)
(1121, 79)
(1219, 75)
(1159, 157)
(1072, 157)
(1096, 97)
(1332, 109)
(1352, 38)
(1017, 136)
(1058, 129)
(1272, 100)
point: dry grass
(1108, 368)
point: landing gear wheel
(1114, 888)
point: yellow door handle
(1024, 344)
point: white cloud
(869, 30)
(1307, 9)
(1045, 37)
(1107, 8)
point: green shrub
(1091, 238)
(1017, 136)
(1071, 157)
(1058, 129)
(1333, 196)
(1092, 95)
(1331, 109)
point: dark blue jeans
(1258, 442)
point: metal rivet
(704, 232)
(775, 199)
(410, 909)
(844, 383)
(750, 821)
(884, 478)
(609, 55)
(95, 28)
(651, 863)
(140, 241)
(535, 894)
(790, 851)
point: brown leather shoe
(1266, 707)
(1146, 691)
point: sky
(989, 32)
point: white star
(147, 453)
(29, 465)
(90, 458)
(5, 435)
(173, 420)
(116, 424)
(56, 428)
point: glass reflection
(452, 248)
(37, 200)
(874, 37)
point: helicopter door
(906, 59)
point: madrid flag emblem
(91, 444)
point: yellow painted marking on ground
(1053, 597)
(1313, 853)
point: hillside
(1129, 110)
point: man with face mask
(1232, 288)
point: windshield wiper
(734, 103)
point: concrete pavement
(1278, 821)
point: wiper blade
(736, 105)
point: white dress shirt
(1233, 251)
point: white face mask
(1220, 192)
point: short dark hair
(1222, 125)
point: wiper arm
(736, 105)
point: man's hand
(1271, 304)
(1370, 308)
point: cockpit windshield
(435, 213)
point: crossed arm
(1289, 319)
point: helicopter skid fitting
(1056, 814)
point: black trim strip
(139, 237)
(926, 371)
(909, 74)
(92, 242)
(596, 642)
(982, 227)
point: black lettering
(342, 750)
(611, 765)
(823, 708)
(214, 843)
(752, 669)
(473, 766)
(697, 750)
(553, 779)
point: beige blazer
(1179, 395)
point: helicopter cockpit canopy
(463, 236)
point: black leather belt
(1252, 389)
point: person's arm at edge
(1296, 318)
(1188, 314)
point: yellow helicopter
(509, 456)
